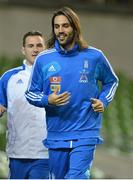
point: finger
(62, 100)
(97, 105)
(56, 91)
(65, 94)
(62, 104)
(2, 110)
(101, 109)
(93, 100)
(63, 97)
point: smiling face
(64, 31)
(33, 46)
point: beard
(66, 40)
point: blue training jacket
(77, 72)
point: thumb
(56, 90)
(93, 100)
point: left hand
(97, 105)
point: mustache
(62, 33)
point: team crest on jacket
(55, 83)
(84, 73)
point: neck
(28, 63)
(68, 46)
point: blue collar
(72, 51)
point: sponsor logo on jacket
(55, 83)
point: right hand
(2, 110)
(59, 99)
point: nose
(60, 29)
(35, 49)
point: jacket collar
(26, 66)
(72, 51)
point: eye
(56, 26)
(66, 25)
(30, 45)
(39, 45)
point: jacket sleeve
(34, 93)
(108, 79)
(3, 92)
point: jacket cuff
(45, 101)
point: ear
(23, 50)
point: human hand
(97, 105)
(59, 99)
(2, 110)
